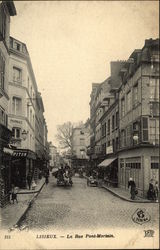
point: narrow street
(83, 207)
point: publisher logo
(140, 216)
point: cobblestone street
(83, 207)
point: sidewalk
(122, 193)
(13, 213)
(125, 194)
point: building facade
(21, 118)
(54, 156)
(139, 117)
(41, 132)
(7, 9)
(125, 122)
(79, 145)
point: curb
(122, 197)
(125, 199)
(29, 205)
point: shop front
(109, 170)
(23, 164)
(142, 164)
(5, 163)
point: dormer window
(17, 46)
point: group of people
(64, 174)
(152, 193)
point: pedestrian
(14, 193)
(33, 185)
(29, 179)
(151, 194)
(132, 184)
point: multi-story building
(53, 156)
(128, 133)
(22, 111)
(104, 118)
(41, 132)
(139, 117)
(79, 145)
(7, 9)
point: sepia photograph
(79, 124)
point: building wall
(4, 55)
(7, 9)
(53, 155)
(141, 174)
(21, 86)
(139, 125)
(80, 137)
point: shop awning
(106, 162)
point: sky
(71, 45)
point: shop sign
(8, 151)
(109, 150)
(20, 154)
(15, 121)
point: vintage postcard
(79, 125)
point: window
(154, 88)
(16, 45)
(112, 122)
(136, 134)
(117, 143)
(17, 106)
(82, 142)
(108, 128)
(154, 108)
(17, 75)
(135, 94)
(81, 132)
(122, 107)
(117, 118)
(154, 131)
(2, 72)
(129, 104)
(2, 22)
(104, 129)
(154, 162)
(2, 116)
(16, 133)
(129, 135)
(145, 129)
(123, 138)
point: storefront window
(133, 169)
